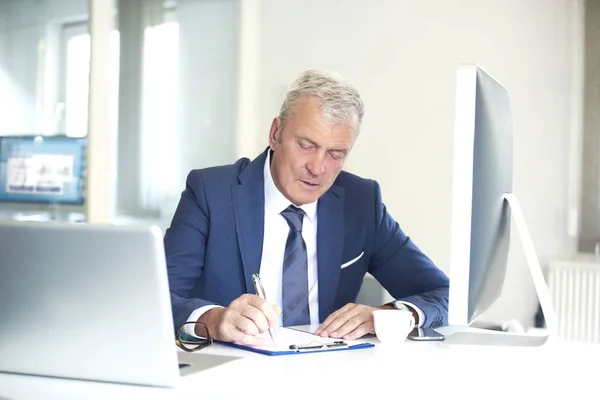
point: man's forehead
(329, 141)
(319, 127)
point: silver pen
(260, 291)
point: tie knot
(294, 215)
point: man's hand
(349, 322)
(241, 322)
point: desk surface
(424, 369)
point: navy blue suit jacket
(215, 241)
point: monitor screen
(40, 169)
(483, 174)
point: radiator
(575, 290)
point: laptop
(89, 302)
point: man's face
(308, 153)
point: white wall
(402, 56)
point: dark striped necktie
(295, 272)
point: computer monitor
(42, 169)
(483, 173)
(483, 203)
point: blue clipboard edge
(285, 353)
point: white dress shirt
(276, 232)
(275, 237)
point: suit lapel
(330, 243)
(249, 214)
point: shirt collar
(275, 201)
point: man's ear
(274, 132)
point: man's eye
(337, 156)
(305, 146)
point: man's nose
(316, 163)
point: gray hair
(338, 100)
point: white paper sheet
(285, 337)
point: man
(311, 230)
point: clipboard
(291, 341)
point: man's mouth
(309, 185)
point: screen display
(42, 169)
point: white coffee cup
(393, 326)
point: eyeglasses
(193, 343)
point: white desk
(414, 370)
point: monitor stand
(470, 336)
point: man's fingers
(243, 338)
(348, 326)
(246, 325)
(242, 321)
(339, 320)
(257, 317)
(270, 311)
(334, 321)
(362, 330)
(326, 325)
(239, 329)
(233, 321)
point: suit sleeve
(405, 271)
(185, 247)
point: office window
(76, 88)
(159, 114)
(158, 97)
(76, 78)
